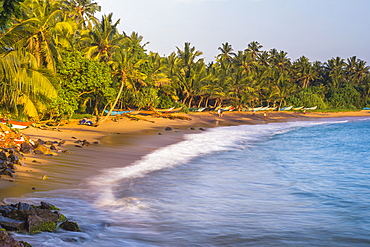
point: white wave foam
(194, 145)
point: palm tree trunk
(115, 102)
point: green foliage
(166, 101)
(9, 8)
(344, 98)
(84, 82)
(307, 98)
(147, 97)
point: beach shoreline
(121, 143)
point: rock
(8, 241)
(41, 142)
(168, 129)
(26, 148)
(12, 224)
(61, 143)
(78, 146)
(70, 226)
(3, 156)
(52, 147)
(159, 134)
(7, 171)
(24, 206)
(73, 137)
(85, 143)
(44, 150)
(45, 205)
(5, 209)
(201, 129)
(96, 143)
(38, 224)
(13, 158)
(192, 128)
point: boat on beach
(16, 124)
(288, 108)
(311, 108)
(298, 108)
(113, 113)
(169, 110)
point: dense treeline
(57, 58)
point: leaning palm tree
(126, 69)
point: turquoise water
(280, 184)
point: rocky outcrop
(33, 219)
(8, 241)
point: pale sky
(317, 29)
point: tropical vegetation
(57, 58)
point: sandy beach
(121, 143)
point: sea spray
(195, 145)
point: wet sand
(121, 144)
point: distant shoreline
(121, 144)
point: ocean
(304, 183)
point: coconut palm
(82, 11)
(102, 40)
(38, 31)
(23, 85)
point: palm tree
(226, 54)
(335, 70)
(23, 84)
(82, 11)
(102, 40)
(254, 47)
(356, 70)
(126, 69)
(304, 72)
(38, 31)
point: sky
(317, 29)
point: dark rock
(38, 224)
(24, 206)
(26, 148)
(73, 137)
(201, 129)
(85, 143)
(168, 129)
(78, 146)
(52, 147)
(192, 128)
(13, 158)
(65, 151)
(3, 156)
(45, 205)
(41, 142)
(35, 161)
(11, 166)
(7, 171)
(8, 241)
(96, 143)
(61, 143)
(70, 226)
(33, 188)
(159, 134)
(5, 209)
(12, 224)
